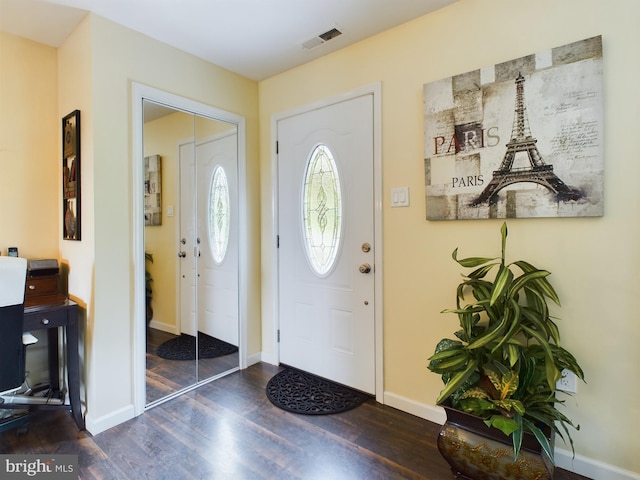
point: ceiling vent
(322, 38)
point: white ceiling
(255, 38)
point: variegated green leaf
(511, 405)
(457, 380)
(447, 344)
(450, 364)
(502, 423)
(542, 341)
(525, 278)
(443, 354)
(502, 282)
(490, 336)
(517, 435)
(514, 326)
(553, 374)
(542, 439)
(508, 384)
(470, 262)
(482, 271)
(475, 393)
(503, 235)
(512, 354)
(543, 284)
(476, 406)
(494, 377)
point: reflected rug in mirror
(301, 392)
(184, 347)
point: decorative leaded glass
(322, 210)
(219, 214)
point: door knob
(182, 254)
(365, 268)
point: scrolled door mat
(301, 392)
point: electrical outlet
(568, 382)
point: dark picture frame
(152, 191)
(71, 212)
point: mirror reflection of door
(183, 344)
(217, 246)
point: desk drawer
(45, 319)
(43, 291)
(41, 286)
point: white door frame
(139, 92)
(374, 89)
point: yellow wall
(29, 153)
(30, 160)
(594, 261)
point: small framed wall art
(71, 176)
(152, 191)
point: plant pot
(149, 310)
(477, 452)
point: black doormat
(301, 392)
(184, 347)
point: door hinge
(277, 147)
(278, 335)
(277, 241)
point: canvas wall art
(152, 191)
(519, 139)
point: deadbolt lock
(366, 247)
(365, 268)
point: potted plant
(503, 365)
(148, 292)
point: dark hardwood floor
(228, 429)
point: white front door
(326, 254)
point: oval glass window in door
(219, 214)
(322, 210)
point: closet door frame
(142, 92)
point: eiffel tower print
(538, 171)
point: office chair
(13, 386)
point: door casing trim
(374, 89)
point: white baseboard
(165, 327)
(95, 426)
(253, 359)
(432, 413)
(591, 468)
(581, 465)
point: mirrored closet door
(191, 243)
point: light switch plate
(400, 197)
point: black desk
(50, 317)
